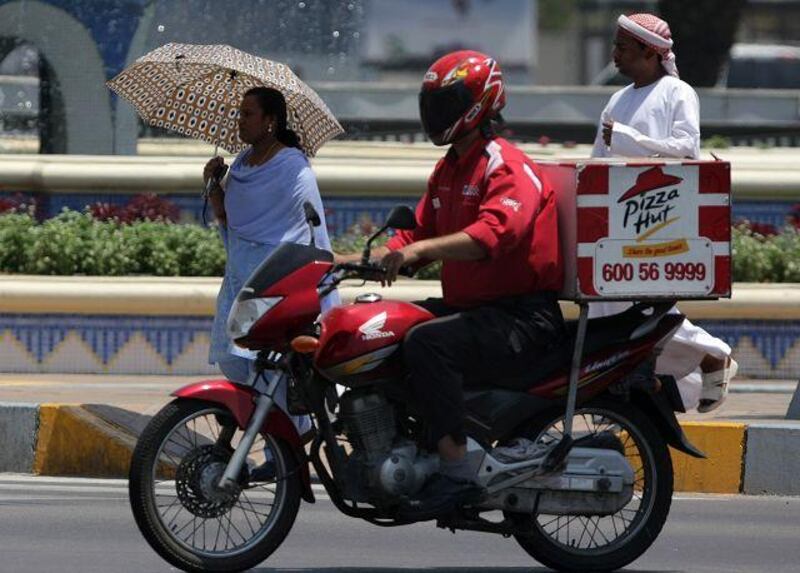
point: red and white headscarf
(653, 32)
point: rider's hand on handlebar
(394, 260)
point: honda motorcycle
(573, 460)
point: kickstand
(559, 453)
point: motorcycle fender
(240, 401)
(661, 410)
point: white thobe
(658, 120)
(661, 120)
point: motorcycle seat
(601, 333)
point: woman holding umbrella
(195, 90)
(259, 204)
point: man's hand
(608, 130)
(394, 260)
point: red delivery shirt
(500, 198)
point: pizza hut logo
(648, 203)
(373, 328)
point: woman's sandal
(715, 387)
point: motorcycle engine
(368, 421)
(380, 465)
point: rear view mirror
(401, 218)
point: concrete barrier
(74, 442)
(772, 463)
(342, 169)
(721, 471)
(18, 427)
(98, 440)
(196, 296)
(161, 325)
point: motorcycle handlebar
(371, 271)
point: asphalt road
(79, 525)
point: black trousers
(474, 347)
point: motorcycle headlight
(245, 313)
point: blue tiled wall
(179, 345)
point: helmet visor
(439, 109)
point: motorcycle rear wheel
(191, 524)
(598, 544)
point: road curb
(18, 429)
(772, 465)
(97, 441)
(75, 442)
(722, 470)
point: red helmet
(460, 90)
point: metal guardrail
(389, 111)
(342, 169)
(563, 113)
(195, 296)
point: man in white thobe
(658, 115)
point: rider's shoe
(440, 496)
(520, 450)
(264, 472)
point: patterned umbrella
(196, 90)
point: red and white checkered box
(645, 229)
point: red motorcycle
(217, 476)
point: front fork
(230, 479)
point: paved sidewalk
(147, 394)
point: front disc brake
(196, 483)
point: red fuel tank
(359, 341)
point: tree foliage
(703, 32)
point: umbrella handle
(212, 180)
(209, 187)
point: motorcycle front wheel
(179, 509)
(604, 543)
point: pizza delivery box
(649, 229)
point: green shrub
(61, 245)
(765, 258)
(75, 243)
(16, 240)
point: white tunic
(661, 120)
(658, 120)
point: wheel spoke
(183, 487)
(588, 534)
(585, 530)
(219, 530)
(246, 518)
